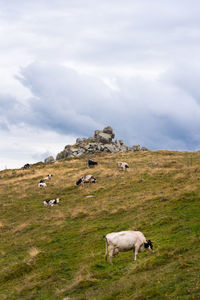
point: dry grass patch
(20, 227)
(33, 252)
(83, 278)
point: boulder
(144, 149)
(117, 143)
(104, 138)
(136, 147)
(110, 148)
(63, 154)
(80, 141)
(123, 148)
(96, 133)
(49, 160)
(109, 130)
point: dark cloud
(155, 113)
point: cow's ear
(146, 245)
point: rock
(109, 130)
(144, 149)
(49, 160)
(136, 147)
(109, 148)
(117, 143)
(61, 155)
(80, 141)
(96, 133)
(123, 148)
(121, 142)
(104, 138)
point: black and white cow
(92, 163)
(122, 165)
(42, 183)
(86, 179)
(51, 202)
(26, 166)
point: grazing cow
(26, 166)
(124, 241)
(42, 184)
(48, 177)
(51, 202)
(92, 163)
(86, 179)
(122, 165)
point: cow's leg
(111, 252)
(106, 254)
(136, 252)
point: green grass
(56, 252)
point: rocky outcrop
(100, 142)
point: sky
(69, 67)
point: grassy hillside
(56, 252)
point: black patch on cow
(41, 181)
(126, 166)
(79, 181)
(47, 201)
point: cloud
(28, 144)
(156, 113)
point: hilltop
(57, 252)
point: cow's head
(93, 180)
(79, 181)
(148, 245)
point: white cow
(48, 177)
(124, 241)
(122, 165)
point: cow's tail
(106, 254)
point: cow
(122, 166)
(26, 166)
(42, 184)
(92, 163)
(86, 179)
(48, 177)
(124, 241)
(51, 202)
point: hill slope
(57, 252)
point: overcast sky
(68, 67)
